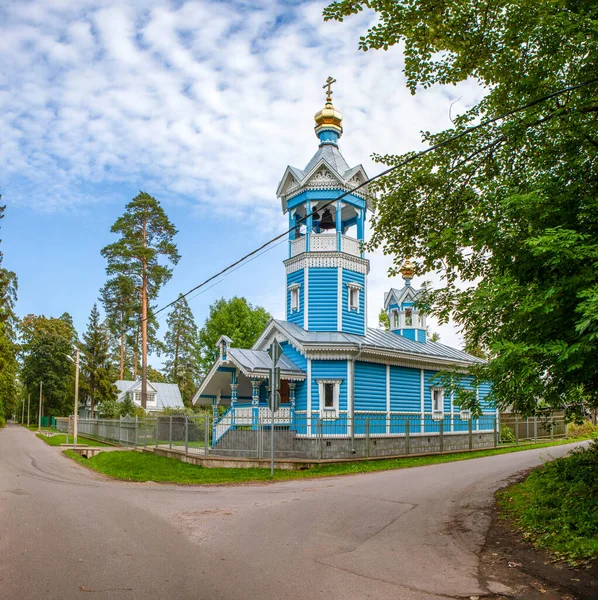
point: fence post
(157, 429)
(120, 420)
(495, 432)
(441, 426)
(320, 438)
(470, 433)
(170, 433)
(367, 438)
(186, 434)
(145, 432)
(136, 429)
(551, 430)
(535, 428)
(516, 431)
(206, 434)
(407, 438)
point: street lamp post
(39, 412)
(76, 413)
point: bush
(585, 429)
(507, 435)
(2, 422)
(556, 506)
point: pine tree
(97, 370)
(181, 343)
(121, 304)
(146, 234)
(127, 406)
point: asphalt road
(410, 534)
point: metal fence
(320, 436)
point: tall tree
(45, 345)
(237, 319)
(146, 235)
(121, 304)
(98, 373)
(511, 208)
(8, 347)
(181, 345)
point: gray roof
(168, 395)
(332, 155)
(259, 360)
(377, 339)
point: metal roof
(168, 395)
(376, 339)
(259, 360)
(332, 155)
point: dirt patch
(530, 574)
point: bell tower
(326, 271)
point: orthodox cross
(327, 86)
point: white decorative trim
(327, 260)
(387, 398)
(422, 397)
(305, 297)
(309, 395)
(339, 300)
(349, 392)
(329, 413)
(353, 287)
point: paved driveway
(66, 532)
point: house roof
(168, 395)
(260, 361)
(374, 340)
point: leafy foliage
(237, 319)
(556, 506)
(384, 320)
(511, 209)
(98, 373)
(46, 342)
(181, 347)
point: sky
(202, 105)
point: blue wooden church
(340, 379)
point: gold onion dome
(408, 269)
(329, 117)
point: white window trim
(395, 321)
(357, 287)
(329, 413)
(295, 294)
(437, 413)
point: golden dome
(329, 118)
(408, 269)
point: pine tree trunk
(122, 355)
(136, 355)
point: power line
(408, 160)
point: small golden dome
(329, 117)
(408, 269)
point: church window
(329, 390)
(395, 319)
(353, 296)
(408, 317)
(294, 289)
(437, 400)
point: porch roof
(258, 362)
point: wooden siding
(301, 387)
(328, 369)
(353, 321)
(296, 316)
(404, 389)
(323, 298)
(370, 386)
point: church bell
(327, 221)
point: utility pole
(28, 409)
(76, 408)
(76, 415)
(39, 412)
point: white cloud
(209, 100)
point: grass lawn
(137, 466)
(58, 439)
(556, 507)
